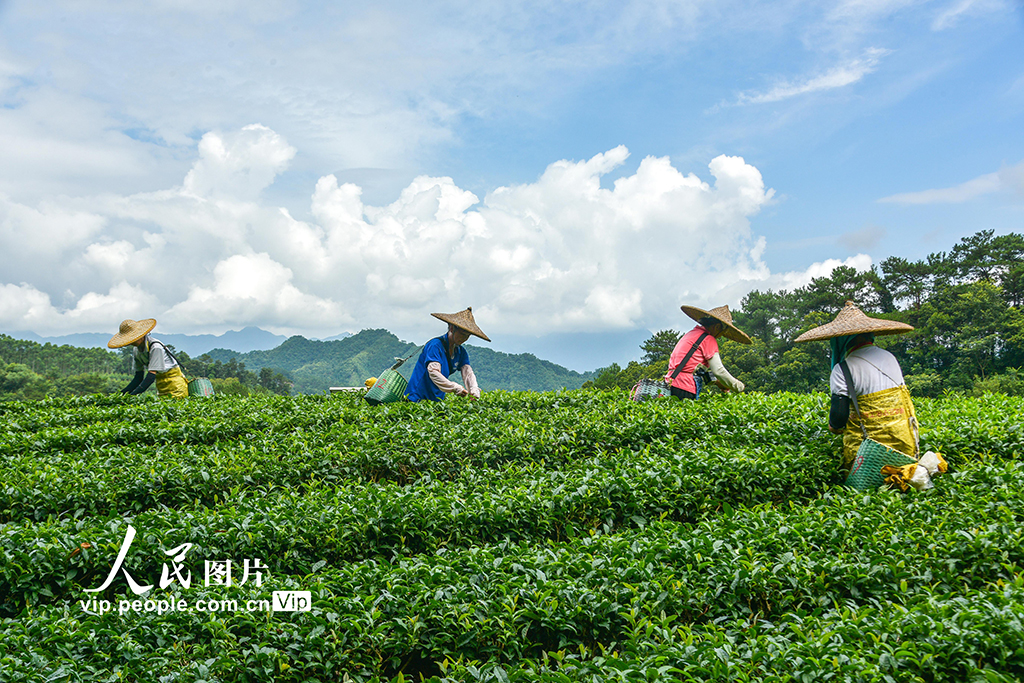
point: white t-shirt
(152, 357)
(871, 368)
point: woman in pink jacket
(698, 348)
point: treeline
(965, 306)
(231, 377)
(50, 360)
(29, 370)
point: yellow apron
(172, 383)
(889, 419)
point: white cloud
(1008, 178)
(255, 287)
(24, 307)
(112, 257)
(108, 95)
(836, 77)
(56, 140)
(238, 165)
(124, 300)
(560, 254)
(43, 238)
(860, 263)
(794, 279)
(1011, 178)
(860, 10)
(956, 12)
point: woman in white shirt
(152, 361)
(883, 400)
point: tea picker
(153, 362)
(694, 355)
(443, 356)
(881, 431)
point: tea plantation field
(569, 536)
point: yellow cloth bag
(890, 420)
(172, 383)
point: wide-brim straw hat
(463, 320)
(722, 315)
(851, 320)
(131, 331)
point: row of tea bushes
(823, 588)
(343, 523)
(108, 467)
(182, 455)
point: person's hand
(462, 391)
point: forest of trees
(29, 370)
(965, 306)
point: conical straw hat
(131, 332)
(722, 315)
(852, 321)
(463, 320)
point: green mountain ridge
(315, 366)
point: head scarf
(840, 346)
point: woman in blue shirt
(444, 355)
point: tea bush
(564, 536)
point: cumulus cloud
(254, 287)
(1009, 178)
(238, 165)
(24, 307)
(565, 253)
(795, 279)
(112, 257)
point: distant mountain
(85, 340)
(244, 340)
(343, 335)
(314, 366)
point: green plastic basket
(200, 386)
(390, 387)
(872, 456)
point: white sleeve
(469, 378)
(837, 382)
(721, 374)
(442, 382)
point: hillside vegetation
(314, 366)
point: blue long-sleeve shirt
(421, 387)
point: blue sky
(572, 170)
